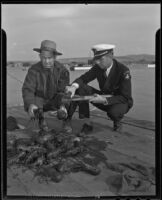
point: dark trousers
(115, 111)
(55, 103)
(52, 104)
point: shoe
(66, 126)
(62, 113)
(86, 128)
(117, 126)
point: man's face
(104, 62)
(47, 58)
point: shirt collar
(108, 69)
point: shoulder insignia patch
(127, 75)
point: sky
(77, 27)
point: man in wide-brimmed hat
(45, 83)
(114, 79)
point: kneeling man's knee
(84, 90)
(117, 111)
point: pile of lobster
(51, 154)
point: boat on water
(83, 68)
(151, 65)
(87, 67)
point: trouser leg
(84, 105)
(51, 105)
(56, 102)
(115, 112)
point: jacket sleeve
(63, 81)
(28, 89)
(125, 91)
(87, 77)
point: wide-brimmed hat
(47, 45)
(100, 50)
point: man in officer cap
(114, 79)
(45, 84)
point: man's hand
(99, 99)
(71, 90)
(31, 109)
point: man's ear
(112, 53)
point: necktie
(105, 75)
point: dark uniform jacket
(118, 82)
(35, 84)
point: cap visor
(57, 53)
(37, 50)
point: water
(143, 90)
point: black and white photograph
(80, 99)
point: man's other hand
(70, 90)
(99, 99)
(31, 109)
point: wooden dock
(129, 150)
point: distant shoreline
(136, 58)
(86, 67)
